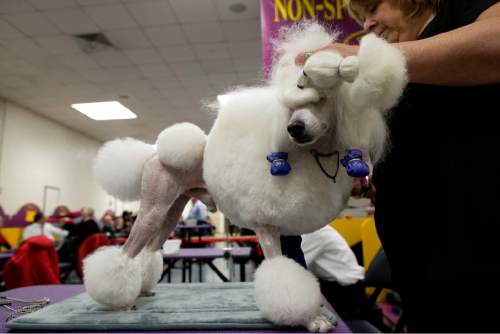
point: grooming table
(59, 293)
(187, 231)
(206, 255)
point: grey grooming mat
(175, 306)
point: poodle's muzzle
(297, 130)
(306, 126)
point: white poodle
(272, 163)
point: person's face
(388, 21)
(119, 223)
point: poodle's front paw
(131, 307)
(147, 294)
(320, 324)
(323, 69)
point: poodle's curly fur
(341, 104)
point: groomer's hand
(344, 50)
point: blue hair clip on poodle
(279, 163)
(352, 161)
(354, 164)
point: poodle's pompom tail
(286, 293)
(301, 37)
(118, 167)
(152, 268)
(382, 74)
(181, 146)
(112, 278)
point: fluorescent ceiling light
(101, 111)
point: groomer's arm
(469, 55)
(466, 56)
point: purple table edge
(57, 293)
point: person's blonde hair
(359, 8)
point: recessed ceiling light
(102, 111)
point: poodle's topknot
(292, 40)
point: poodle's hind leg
(286, 293)
(152, 265)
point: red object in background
(35, 262)
(75, 214)
(60, 220)
(88, 246)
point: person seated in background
(120, 228)
(197, 213)
(77, 234)
(105, 219)
(41, 227)
(108, 225)
(331, 260)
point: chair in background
(35, 262)
(89, 245)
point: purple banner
(278, 13)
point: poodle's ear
(279, 136)
(382, 75)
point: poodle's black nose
(296, 129)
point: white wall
(36, 152)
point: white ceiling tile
(250, 78)
(165, 82)
(16, 81)
(72, 21)
(14, 6)
(8, 32)
(110, 58)
(154, 70)
(144, 56)
(128, 39)
(223, 79)
(166, 35)
(194, 10)
(245, 49)
(247, 64)
(111, 17)
(195, 82)
(188, 69)
(80, 61)
(214, 66)
(52, 4)
(241, 30)
(25, 46)
(124, 73)
(58, 45)
(173, 93)
(152, 13)
(203, 32)
(96, 75)
(96, 2)
(211, 51)
(33, 24)
(175, 54)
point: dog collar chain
(317, 155)
(354, 164)
(279, 163)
